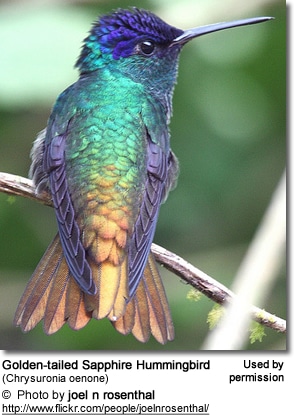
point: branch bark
(20, 186)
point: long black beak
(203, 30)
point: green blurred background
(228, 131)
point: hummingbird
(106, 162)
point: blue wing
(162, 171)
(69, 232)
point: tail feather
(136, 317)
(54, 296)
(160, 318)
(75, 310)
(119, 306)
(142, 325)
(54, 317)
(159, 313)
(125, 323)
(33, 302)
(111, 282)
(148, 312)
(54, 313)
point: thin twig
(20, 186)
(210, 287)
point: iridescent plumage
(105, 159)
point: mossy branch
(20, 186)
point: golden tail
(148, 312)
(52, 295)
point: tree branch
(210, 287)
(20, 186)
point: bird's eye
(146, 48)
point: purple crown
(120, 31)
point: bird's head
(141, 45)
(136, 41)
